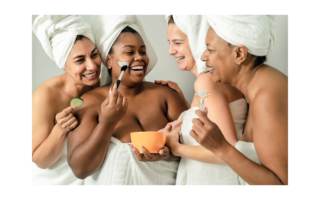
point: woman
(69, 42)
(225, 105)
(237, 47)
(98, 149)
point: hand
(164, 154)
(208, 134)
(65, 120)
(175, 87)
(173, 125)
(172, 140)
(113, 108)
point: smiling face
(220, 56)
(83, 62)
(179, 48)
(129, 47)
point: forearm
(197, 153)
(249, 171)
(88, 157)
(50, 149)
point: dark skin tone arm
(88, 143)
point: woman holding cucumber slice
(69, 42)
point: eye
(80, 61)
(143, 52)
(129, 52)
(94, 55)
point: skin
(266, 89)
(145, 107)
(217, 104)
(52, 115)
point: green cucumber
(76, 101)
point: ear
(241, 54)
(109, 62)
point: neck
(128, 91)
(72, 88)
(194, 70)
(244, 78)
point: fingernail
(142, 148)
(131, 147)
(73, 107)
(110, 91)
(160, 152)
(115, 85)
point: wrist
(175, 149)
(223, 151)
(61, 131)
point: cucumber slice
(76, 101)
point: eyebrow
(81, 56)
(176, 40)
(133, 46)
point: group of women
(240, 138)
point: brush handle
(118, 83)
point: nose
(204, 56)
(172, 51)
(91, 65)
(138, 57)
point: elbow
(80, 173)
(39, 163)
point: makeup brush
(124, 66)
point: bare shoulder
(47, 93)
(225, 91)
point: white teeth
(136, 67)
(180, 59)
(90, 75)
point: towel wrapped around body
(122, 167)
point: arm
(48, 140)
(175, 87)
(270, 138)
(88, 143)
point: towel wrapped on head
(256, 32)
(196, 28)
(57, 34)
(107, 28)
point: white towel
(196, 28)
(106, 29)
(247, 149)
(256, 32)
(57, 34)
(121, 167)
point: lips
(89, 75)
(179, 59)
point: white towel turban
(196, 28)
(57, 34)
(107, 28)
(256, 32)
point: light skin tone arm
(270, 136)
(48, 139)
(88, 143)
(220, 112)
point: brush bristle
(124, 68)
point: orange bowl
(152, 141)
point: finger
(70, 121)
(164, 151)
(124, 102)
(164, 82)
(113, 96)
(65, 112)
(72, 126)
(106, 102)
(66, 118)
(168, 127)
(147, 154)
(119, 100)
(194, 135)
(157, 81)
(177, 129)
(136, 152)
(203, 117)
